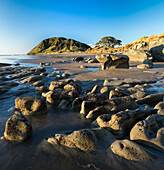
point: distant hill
(58, 45)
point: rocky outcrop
(109, 61)
(17, 129)
(57, 45)
(131, 151)
(30, 105)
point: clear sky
(24, 23)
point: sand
(83, 74)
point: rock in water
(131, 151)
(30, 105)
(150, 132)
(113, 61)
(17, 129)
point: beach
(59, 121)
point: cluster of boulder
(125, 116)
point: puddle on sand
(93, 69)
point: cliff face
(58, 45)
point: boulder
(73, 86)
(109, 61)
(159, 106)
(30, 105)
(151, 99)
(33, 79)
(93, 114)
(150, 132)
(56, 84)
(96, 89)
(131, 151)
(161, 112)
(66, 75)
(117, 93)
(76, 104)
(17, 128)
(63, 104)
(157, 49)
(85, 139)
(140, 45)
(138, 95)
(144, 66)
(138, 55)
(121, 123)
(115, 104)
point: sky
(25, 23)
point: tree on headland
(108, 41)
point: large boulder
(108, 61)
(121, 123)
(157, 49)
(138, 55)
(114, 104)
(17, 129)
(85, 139)
(150, 132)
(151, 99)
(131, 151)
(30, 105)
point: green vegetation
(108, 41)
(58, 45)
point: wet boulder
(138, 95)
(35, 78)
(115, 104)
(56, 84)
(73, 86)
(96, 89)
(109, 61)
(151, 99)
(17, 128)
(76, 104)
(85, 139)
(121, 123)
(150, 132)
(117, 93)
(30, 105)
(131, 151)
(93, 114)
(159, 106)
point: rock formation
(58, 45)
(109, 61)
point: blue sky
(24, 23)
